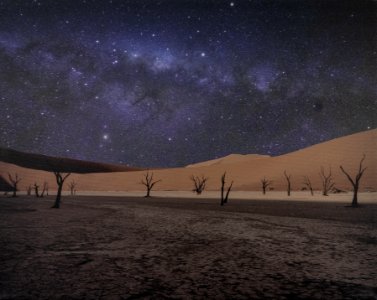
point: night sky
(168, 83)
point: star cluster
(168, 83)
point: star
(118, 81)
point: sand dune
(246, 171)
(50, 163)
(229, 159)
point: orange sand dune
(229, 159)
(246, 171)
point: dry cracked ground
(136, 248)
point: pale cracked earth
(136, 248)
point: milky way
(168, 83)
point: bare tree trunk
(28, 190)
(148, 183)
(36, 187)
(265, 184)
(355, 183)
(222, 195)
(72, 186)
(227, 192)
(58, 196)
(14, 190)
(308, 183)
(199, 183)
(224, 199)
(60, 181)
(354, 199)
(45, 188)
(14, 181)
(288, 178)
(327, 183)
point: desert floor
(137, 248)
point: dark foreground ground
(136, 248)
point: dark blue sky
(168, 83)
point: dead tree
(44, 190)
(327, 181)
(288, 178)
(14, 182)
(72, 186)
(36, 189)
(308, 184)
(265, 184)
(224, 199)
(28, 191)
(355, 183)
(60, 178)
(199, 183)
(149, 183)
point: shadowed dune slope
(245, 170)
(49, 163)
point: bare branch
(14, 182)
(148, 182)
(327, 181)
(224, 199)
(65, 177)
(308, 183)
(355, 184)
(199, 183)
(72, 186)
(348, 176)
(288, 178)
(361, 163)
(265, 184)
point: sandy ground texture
(346, 197)
(137, 248)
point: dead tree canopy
(355, 182)
(14, 182)
(308, 184)
(36, 189)
(28, 191)
(72, 187)
(60, 178)
(327, 181)
(289, 186)
(265, 184)
(224, 196)
(149, 183)
(199, 183)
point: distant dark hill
(49, 163)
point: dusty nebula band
(168, 83)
